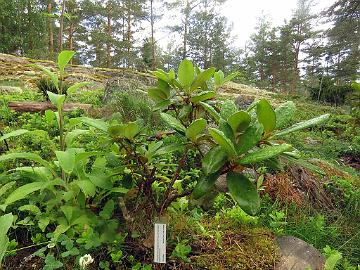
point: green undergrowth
(222, 242)
(224, 237)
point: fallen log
(24, 106)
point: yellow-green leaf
(266, 115)
(64, 58)
(264, 153)
(220, 138)
(197, 127)
(239, 121)
(186, 73)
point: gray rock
(296, 254)
(243, 102)
(221, 183)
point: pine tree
(343, 50)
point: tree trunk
(295, 78)
(109, 38)
(128, 34)
(71, 36)
(152, 21)
(51, 32)
(30, 26)
(186, 22)
(61, 29)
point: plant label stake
(160, 241)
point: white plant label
(160, 243)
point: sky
(244, 13)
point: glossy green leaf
(285, 113)
(227, 130)
(239, 121)
(162, 105)
(211, 111)
(220, 138)
(64, 58)
(305, 124)
(72, 89)
(158, 95)
(56, 100)
(186, 73)
(264, 153)
(202, 78)
(14, 133)
(244, 192)
(206, 95)
(251, 136)
(173, 122)
(204, 185)
(160, 74)
(214, 160)
(196, 128)
(163, 85)
(266, 115)
(66, 160)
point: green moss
(223, 244)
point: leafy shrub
(133, 179)
(328, 91)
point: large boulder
(296, 254)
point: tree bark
(109, 32)
(128, 34)
(51, 32)
(152, 22)
(30, 25)
(186, 22)
(61, 29)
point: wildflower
(85, 260)
(51, 245)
